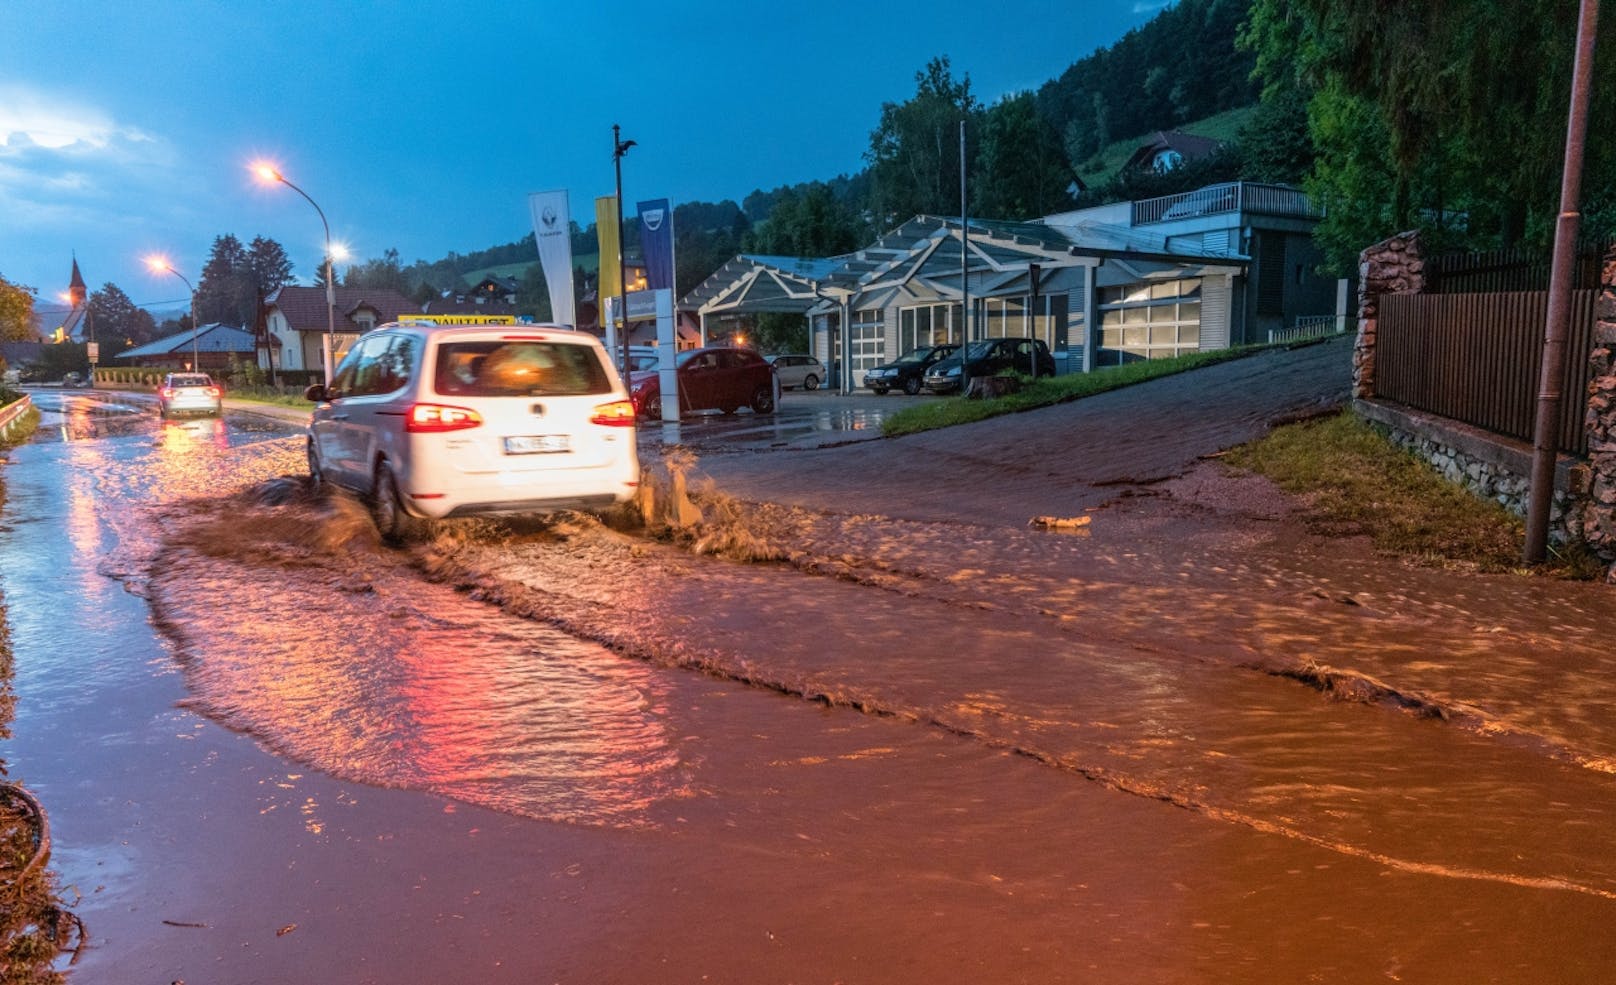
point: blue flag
(656, 241)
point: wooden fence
(1476, 358)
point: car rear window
(190, 381)
(519, 368)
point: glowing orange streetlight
(160, 265)
(270, 174)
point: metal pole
(619, 148)
(330, 347)
(1545, 443)
(965, 266)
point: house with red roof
(298, 319)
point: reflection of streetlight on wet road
(271, 174)
(160, 265)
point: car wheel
(387, 508)
(911, 386)
(316, 476)
(763, 400)
(653, 410)
(810, 382)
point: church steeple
(75, 287)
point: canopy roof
(922, 258)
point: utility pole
(1545, 433)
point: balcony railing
(1235, 196)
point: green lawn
(1103, 166)
(1354, 481)
(1049, 390)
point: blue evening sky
(127, 128)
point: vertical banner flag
(552, 229)
(611, 271)
(656, 242)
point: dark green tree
(224, 292)
(533, 294)
(115, 317)
(269, 266)
(806, 224)
(1414, 125)
(914, 151)
(1021, 170)
(383, 273)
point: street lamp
(619, 148)
(270, 173)
(161, 265)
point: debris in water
(1059, 522)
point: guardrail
(12, 413)
(1309, 327)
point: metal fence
(1309, 327)
(1510, 270)
(1476, 358)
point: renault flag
(552, 229)
(656, 241)
(611, 271)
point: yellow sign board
(457, 319)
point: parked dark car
(908, 371)
(713, 378)
(990, 357)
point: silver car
(797, 370)
(428, 421)
(189, 393)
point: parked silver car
(797, 370)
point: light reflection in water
(403, 684)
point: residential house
(212, 349)
(298, 318)
(1167, 149)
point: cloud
(32, 118)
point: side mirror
(315, 393)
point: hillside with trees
(1393, 118)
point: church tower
(75, 287)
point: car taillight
(438, 417)
(617, 414)
(213, 391)
(167, 393)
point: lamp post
(269, 173)
(161, 265)
(619, 148)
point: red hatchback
(713, 378)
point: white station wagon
(429, 421)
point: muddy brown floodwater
(1186, 742)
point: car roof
(547, 332)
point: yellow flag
(611, 269)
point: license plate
(536, 444)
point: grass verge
(1050, 390)
(1355, 481)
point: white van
(429, 422)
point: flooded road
(1177, 747)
